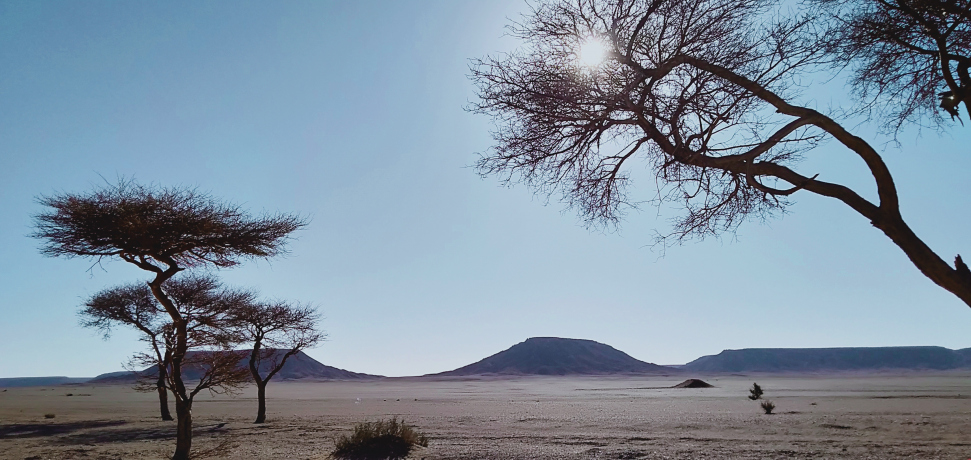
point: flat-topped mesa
(559, 356)
(847, 359)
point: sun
(592, 51)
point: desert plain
(860, 416)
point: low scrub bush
(382, 440)
(49, 416)
(767, 406)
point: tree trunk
(183, 434)
(261, 396)
(163, 394)
(183, 402)
(254, 359)
(954, 279)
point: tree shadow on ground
(37, 430)
(103, 436)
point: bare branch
(704, 92)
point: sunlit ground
(918, 416)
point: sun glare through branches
(592, 52)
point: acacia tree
(705, 92)
(163, 231)
(277, 331)
(133, 306)
(206, 308)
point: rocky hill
(298, 366)
(832, 359)
(556, 356)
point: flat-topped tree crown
(147, 225)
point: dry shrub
(767, 406)
(381, 440)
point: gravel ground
(877, 416)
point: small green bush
(767, 406)
(756, 392)
(381, 440)
(49, 416)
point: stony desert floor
(883, 416)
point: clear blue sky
(352, 113)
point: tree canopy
(148, 225)
(909, 59)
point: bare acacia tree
(277, 331)
(134, 306)
(702, 90)
(163, 231)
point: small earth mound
(693, 383)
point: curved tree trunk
(183, 401)
(183, 442)
(261, 396)
(956, 280)
(163, 393)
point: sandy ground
(820, 417)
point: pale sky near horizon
(352, 113)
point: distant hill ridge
(832, 359)
(298, 366)
(558, 356)
(13, 382)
